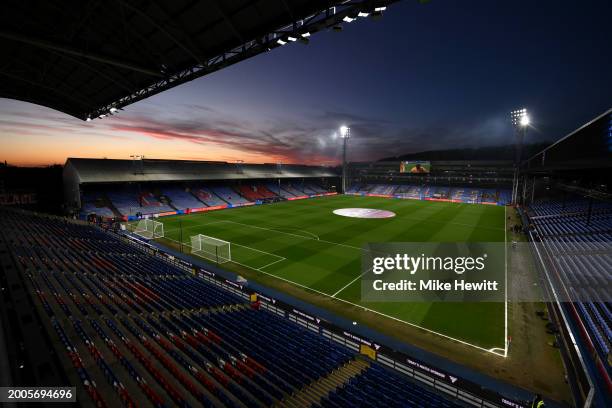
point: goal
(211, 248)
(149, 229)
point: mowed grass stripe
(289, 229)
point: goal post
(149, 229)
(213, 249)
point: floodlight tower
(345, 134)
(520, 121)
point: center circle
(364, 213)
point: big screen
(415, 167)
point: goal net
(149, 229)
(211, 248)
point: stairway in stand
(313, 392)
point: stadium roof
(588, 147)
(88, 58)
(127, 171)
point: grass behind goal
(303, 243)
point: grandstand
(473, 182)
(568, 211)
(211, 354)
(207, 197)
(181, 198)
(126, 189)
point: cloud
(218, 135)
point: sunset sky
(440, 75)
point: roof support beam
(48, 45)
(228, 21)
(164, 29)
(115, 78)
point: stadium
(448, 276)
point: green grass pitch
(304, 243)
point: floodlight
(88, 119)
(281, 42)
(345, 134)
(363, 14)
(348, 19)
(380, 8)
(344, 130)
(306, 34)
(519, 117)
(113, 110)
(292, 38)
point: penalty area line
(272, 263)
(350, 283)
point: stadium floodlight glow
(281, 42)
(292, 39)
(345, 131)
(348, 19)
(525, 120)
(520, 117)
(102, 116)
(345, 134)
(383, 8)
(363, 14)
(520, 120)
(114, 110)
(88, 119)
(306, 34)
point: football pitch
(304, 243)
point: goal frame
(217, 256)
(149, 229)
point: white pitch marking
(272, 263)
(350, 283)
(505, 282)
(294, 235)
(258, 250)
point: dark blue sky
(439, 75)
